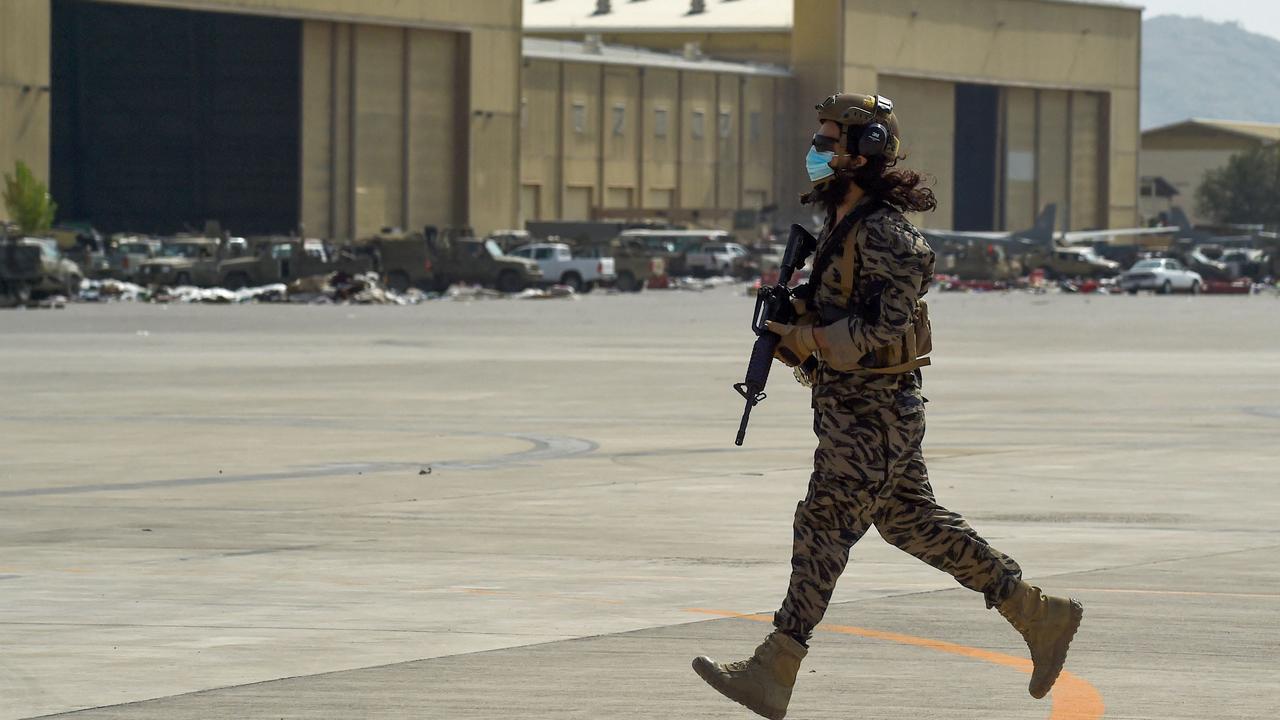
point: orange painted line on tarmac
(1073, 697)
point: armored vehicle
(435, 261)
(282, 259)
(184, 261)
(635, 265)
(32, 268)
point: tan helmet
(872, 119)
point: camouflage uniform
(868, 468)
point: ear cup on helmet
(874, 140)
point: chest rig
(839, 293)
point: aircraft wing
(1078, 235)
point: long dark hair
(903, 189)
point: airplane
(1039, 234)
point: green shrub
(28, 202)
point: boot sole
(1060, 649)
(709, 677)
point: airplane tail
(1179, 218)
(1043, 228)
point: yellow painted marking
(1074, 698)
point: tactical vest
(912, 349)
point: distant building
(1009, 104)
(343, 117)
(740, 30)
(610, 131)
(1183, 152)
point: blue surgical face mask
(819, 164)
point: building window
(726, 124)
(755, 127)
(699, 124)
(579, 118)
(660, 122)
(619, 118)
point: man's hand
(808, 338)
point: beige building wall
(928, 138)
(759, 177)
(728, 134)
(540, 154)
(383, 129)
(1087, 207)
(1183, 156)
(773, 48)
(1017, 44)
(24, 87)
(697, 184)
(620, 156)
(580, 140)
(660, 154)
(480, 42)
(601, 135)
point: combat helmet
(867, 122)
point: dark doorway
(164, 119)
(977, 130)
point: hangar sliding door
(163, 119)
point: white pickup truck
(558, 265)
(721, 258)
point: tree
(1246, 191)
(27, 201)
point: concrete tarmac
(534, 509)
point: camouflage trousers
(869, 470)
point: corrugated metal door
(164, 119)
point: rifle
(773, 303)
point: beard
(834, 192)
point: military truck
(434, 261)
(184, 260)
(975, 259)
(32, 268)
(635, 265)
(282, 259)
(1071, 262)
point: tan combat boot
(1047, 623)
(763, 681)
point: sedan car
(1163, 275)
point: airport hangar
(1010, 104)
(274, 113)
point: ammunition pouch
(909, 353)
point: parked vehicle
(130, 252)
(83, 245)
(723, 258)
(1163, 275)
(558, 264)
(636, 266)
(510, 239)
(282, 259)
(184, 260)
(32, 268)
(673, 245)
(434, 261)
(1073, 262)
